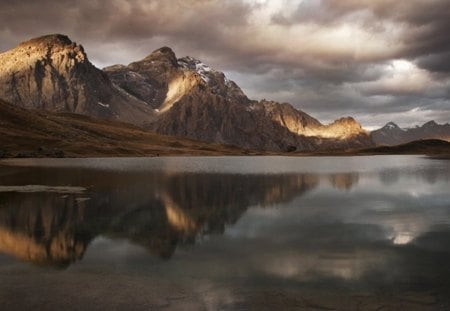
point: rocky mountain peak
(164, 54)
(37, 73)
(348, 121)
(431, 123)
(158, 80)
(161, 80)
(53, 73)
(48, 40)
(391, 126)
(56, 50)
(342, 128)
(216, 80)
(196, 65)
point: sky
(375, 60)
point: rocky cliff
(54, 73)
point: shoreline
(436, 156)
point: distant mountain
(391, 134)
(180, 97)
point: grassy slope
(37, 134)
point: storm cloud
(377, 60)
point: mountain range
(391, 134)
(181, 97)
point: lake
(225, 233)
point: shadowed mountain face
(391, 134)
(181, 97)
(158, 211)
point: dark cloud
(438, 62)
(329, 58)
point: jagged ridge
(391, 134)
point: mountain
(54, 73)
(391, 134)
(195, 101)
(180, 97)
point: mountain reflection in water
(160, 210)
(226, 233)
(157, 211)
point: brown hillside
(33, 133)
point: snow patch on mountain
(391, 126)
(198, 66)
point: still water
(225, 233)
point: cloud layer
(377, 60)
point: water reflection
(43, 228)
(298, 226)
(157, 211)
(344, 181)
(426, 174)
